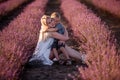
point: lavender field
(93, 27)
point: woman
(42, 51)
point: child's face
(56, 20)
(51, 22)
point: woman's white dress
(42, 51)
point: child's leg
(62, 48)
(52, 56)
(55, 53)
(68, 61)
(54, 49)
(57, 56)
(64, 52)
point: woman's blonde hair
(44, 35)
(44, 20)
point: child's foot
(61, 61)
(56, 61)
(68, 62)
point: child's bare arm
(52, 29)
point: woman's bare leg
(65, 52)
(73, 53)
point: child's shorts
(56, 45)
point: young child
(59, 44)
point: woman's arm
(59, 36)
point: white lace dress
(42, 51)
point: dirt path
(54, 72)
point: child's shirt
(60, 28)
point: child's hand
(52, 29)
(61, 42)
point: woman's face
(51, 22)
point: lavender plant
(19, 39)
(102, 58)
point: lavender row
(102, 58)
(9, 6)
(112, 6)
(18, 40)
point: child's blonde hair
(55, 15)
